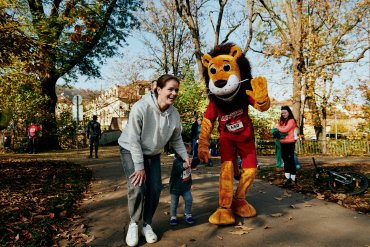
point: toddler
(180, 185)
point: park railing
(333, 147)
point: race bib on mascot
(235, 126)
(233, 121)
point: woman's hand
(187, 164)
(138, 177)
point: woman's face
(168, 94)
(284, 114)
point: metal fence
(333, 147)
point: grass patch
(38, 199)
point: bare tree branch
(250, 11)
(275, 18)
(349, 60)
(55, 7)
(231, 30)
(222, 4)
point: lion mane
(245, 74)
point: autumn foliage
(38, 199)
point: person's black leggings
(287, 153)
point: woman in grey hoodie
(153, 121)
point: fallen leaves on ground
(276, 215)
(306, 185)
(241, 229)
(320, 196)
(38, 200)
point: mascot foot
(242, 208)
(222, 216)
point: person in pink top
(287, 124)
(32, 133)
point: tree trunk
(323, 124)
(198, 51)
(323, 135)
(184, 10)
(295, 34)
(49, 139)
(198, 56)
(297, 89)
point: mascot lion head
(227, 75)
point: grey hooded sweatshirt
(148, 130)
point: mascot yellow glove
(259, 93)
(203, 142)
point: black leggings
(287, 153)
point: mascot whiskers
(231, 90)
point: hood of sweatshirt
(149, 129)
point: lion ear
(235, 51)
(206, 59)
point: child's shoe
(189, 219)
(173, 221)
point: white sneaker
(150, 236)
(132, 237)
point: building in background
(113, 106)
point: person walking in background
(153, 121)
(94, 134)
(287, 124)
(32, 133)
(180, 185)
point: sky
(260, 66)
(279, 82)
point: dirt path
(284, 218)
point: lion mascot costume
(231, 90)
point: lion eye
(227, 67)
(213, 70)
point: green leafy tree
(4, 118)
(20, 98)
(68, 38)
(192, 100)
(264, 121)
(365, 91)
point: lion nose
(220, 83)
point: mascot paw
(222, 216)
(242, 208)
(204, 155)
(259, 87)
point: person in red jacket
(32, 134)
(287, 124)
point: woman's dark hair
(162, 81)
(284, 121)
